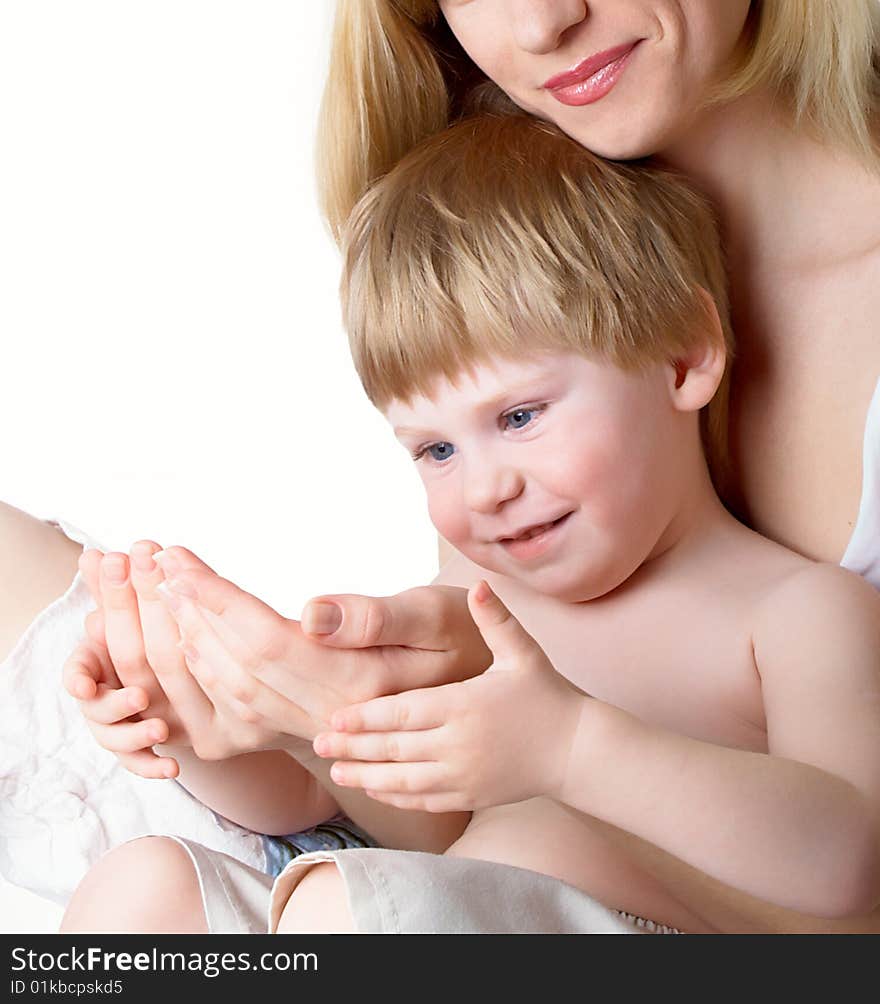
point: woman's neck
(785, 201)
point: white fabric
(63, 800)
(410, 892)
(863, 551)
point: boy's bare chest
(683, 662)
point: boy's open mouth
(535, 531)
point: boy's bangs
(501, 237)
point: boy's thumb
(501, 631)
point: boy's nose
(538, 25)
(490, 486)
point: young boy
(694, 709)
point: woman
(771, 108)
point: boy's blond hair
(398, 75)
(502, 236)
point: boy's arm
(800, 826)
(246, 655)
(267, 792)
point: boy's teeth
(534, 533)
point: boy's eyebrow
(524, 390)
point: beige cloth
(409, 892)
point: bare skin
(797, 447)
(37, 564)
(804, 261)
(121, 893)
(650, 643)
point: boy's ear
(694, 377)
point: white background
(173, 364)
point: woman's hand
(283, 679)
(500, 738)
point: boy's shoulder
(815, 606)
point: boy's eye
(519, 417)
(438, 451)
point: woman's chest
(807, 364)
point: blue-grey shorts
(336, 834)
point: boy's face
(558, 471)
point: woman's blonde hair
(503, 236)
(398, 75)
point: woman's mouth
(534, 541)
(592, 78)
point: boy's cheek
(450, 520)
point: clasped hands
(177, 656)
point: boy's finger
(411, 711)
(84, 670)
(378, 747)
(146, 763)
(94, 625)
(435, 802)
(402, 778)
(129, 737)
(90, 568)
(109, 706)
(501, 631)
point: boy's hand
(499, 738)
(129, 664)
(284, 684)
(112, 712)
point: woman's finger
(252, 630)
(402, 778)
(220, 674)
(161, 637)
(122, 625)
(380, 747)
(178, 559)
(419, 618)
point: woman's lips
(592, 78)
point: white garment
(64, 801)
(862, 554)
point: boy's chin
(575, 586)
